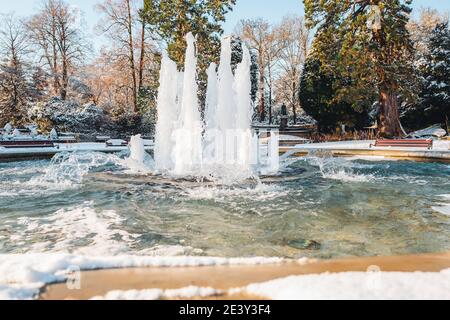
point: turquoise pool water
(317, 207)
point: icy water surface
(317, 207)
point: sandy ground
(98, 283)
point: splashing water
(167, 114)
(187, 153)
(67, 170)
(139, 160)
(222, 147)
(337, 168)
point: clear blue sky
(272, 10)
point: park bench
(26, 144)
(405, 143)
(116, 143)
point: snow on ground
(357, 286)
(337, 286)
(159, 294)
(356, 144)
(438, 145)
(22, 276)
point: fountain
(139, 160)
(221, 146)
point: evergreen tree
(433, 105)
(14, 91)
(317, 100)
(14, 86)
(436, 86)
(367, 46)
(173, 19)
(39, 83)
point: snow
(373, 284)
(158, 294)
(357, 286)
(22, 276)
(438, 145)
(68, 147)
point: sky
(272, 10)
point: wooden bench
(407, 143)
(26, 144)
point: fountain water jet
(223, 146)
(167, 115)
(139, 160)
(187, 154)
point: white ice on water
(226, 104)
(187, 155)
(220, 146)
(210, 112)
(139, 160)
(167, 115)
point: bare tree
(119, 23)
(42, 27)
(295, 40)
(60, 40)
(274, 47)
(255, 34)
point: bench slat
(419, 143)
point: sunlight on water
(317, 206)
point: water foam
(443, 207)
(67, 170)
(99, 231)
(260, 192)
(338, 169)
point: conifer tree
(173, 19)
(367, 45)
(317, 92)
(436, 80)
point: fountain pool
(90, 203)
(212, 190)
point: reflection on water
(317, 207)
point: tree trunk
(294, 109)
(270, 105)
(56, 83)
(446, 124)
(131, 58)
(262, 99)
(65, 79)
(142, 57)
(389, 126)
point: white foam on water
(66, 229)
(357, 286)
(23, 275)
(260, 192)
(347, 176)
(67, 170)
(339, 169)
(159, 294)
(443, 207)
